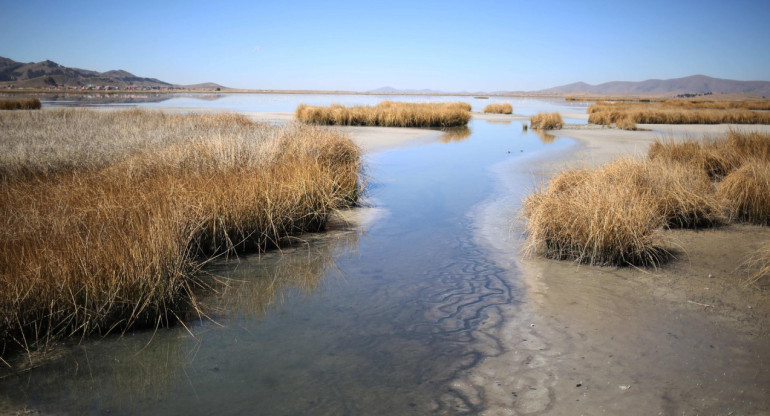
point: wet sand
(686, 338)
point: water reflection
(455, 134)
(499, 121)
(254, 285)
(545, 137)
(146, 367)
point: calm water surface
(289, 102)
(375, 318)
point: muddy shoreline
(686, 338)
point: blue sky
(361, 45)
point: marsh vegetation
(388, 114)
(680, 112)
(615, 215)
(108, 216)
(546, 121)
(499, 109)
(30, 104)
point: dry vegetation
(388, 114)
(546, 121)
(108, 216)
(499, 109)
(680, 112)
(615, 214)
(31, 104)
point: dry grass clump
(666, 113)
(388, 114)
(717, 158)
(625, 123)
(595, 217)
(499, 108)
(745, 192)
(107, 216)
(759, 266)
(688, 184)
(31, 104)
(546, 121)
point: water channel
(376, 316)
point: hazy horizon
(447, 46)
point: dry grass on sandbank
(499, 109)
(614, 215)
(677, 112)
(108, 215)
(546, 121)
(388, 114)
(31, 104)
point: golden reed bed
(678, 112)
(498, 109)
(388, 114)
(108, 216)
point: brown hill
(47, 74)
(695, 84)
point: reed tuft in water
(546, 121)
(499, 109)
(388, 114)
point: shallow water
(375, 317)
(244, 102)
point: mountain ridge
(49, 74)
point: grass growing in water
(675, 112)
(31, 104)
(107, 216)
(499, 109)
(546, 121)
(388, 114)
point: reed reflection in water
(455, 134)
(545, 137)
(148, 366)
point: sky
(363, 45)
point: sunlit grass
(499, 108)
(546, 121)
(108, 215)
(388, 114)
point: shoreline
(687, 336)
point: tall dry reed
(499, 108)
(108, 216)
(667, 113)
(596, 217)
(388, 114)
(546, 121)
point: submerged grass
(546, 121)
(31, 104)
(107, 216)
(388, 114)
(499, 108)
(614, 214)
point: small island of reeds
(679, 111)
(546, 121)
(108, 216)
(499, 109)
(388, 114)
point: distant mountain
(391, 90)
(48, 74)
(695, 84)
